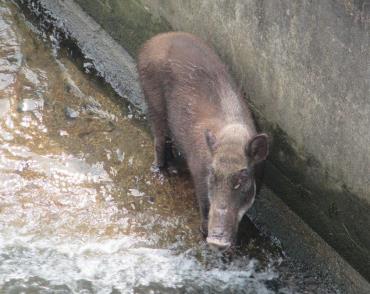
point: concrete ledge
(304, 245)
(109, 59)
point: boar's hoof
(172, 170)
(155, 168)
(218, 245)
(204, 229)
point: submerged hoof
(172, 170)
(155, 168)
(204, 229)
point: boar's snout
(222, 227)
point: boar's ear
(258, 148)
(211, 140)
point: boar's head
(231, 184)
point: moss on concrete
(127, 21)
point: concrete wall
(305, 68)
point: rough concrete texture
(274, 57)
(305, 68)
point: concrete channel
(270, 214)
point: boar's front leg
(201, 191)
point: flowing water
(80, 209)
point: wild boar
(192, 98)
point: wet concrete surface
(80, 209)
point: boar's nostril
(217, 244)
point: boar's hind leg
(156, 114)
(159, 145)
(159, 131)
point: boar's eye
(239, 179)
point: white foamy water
(122, 264)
